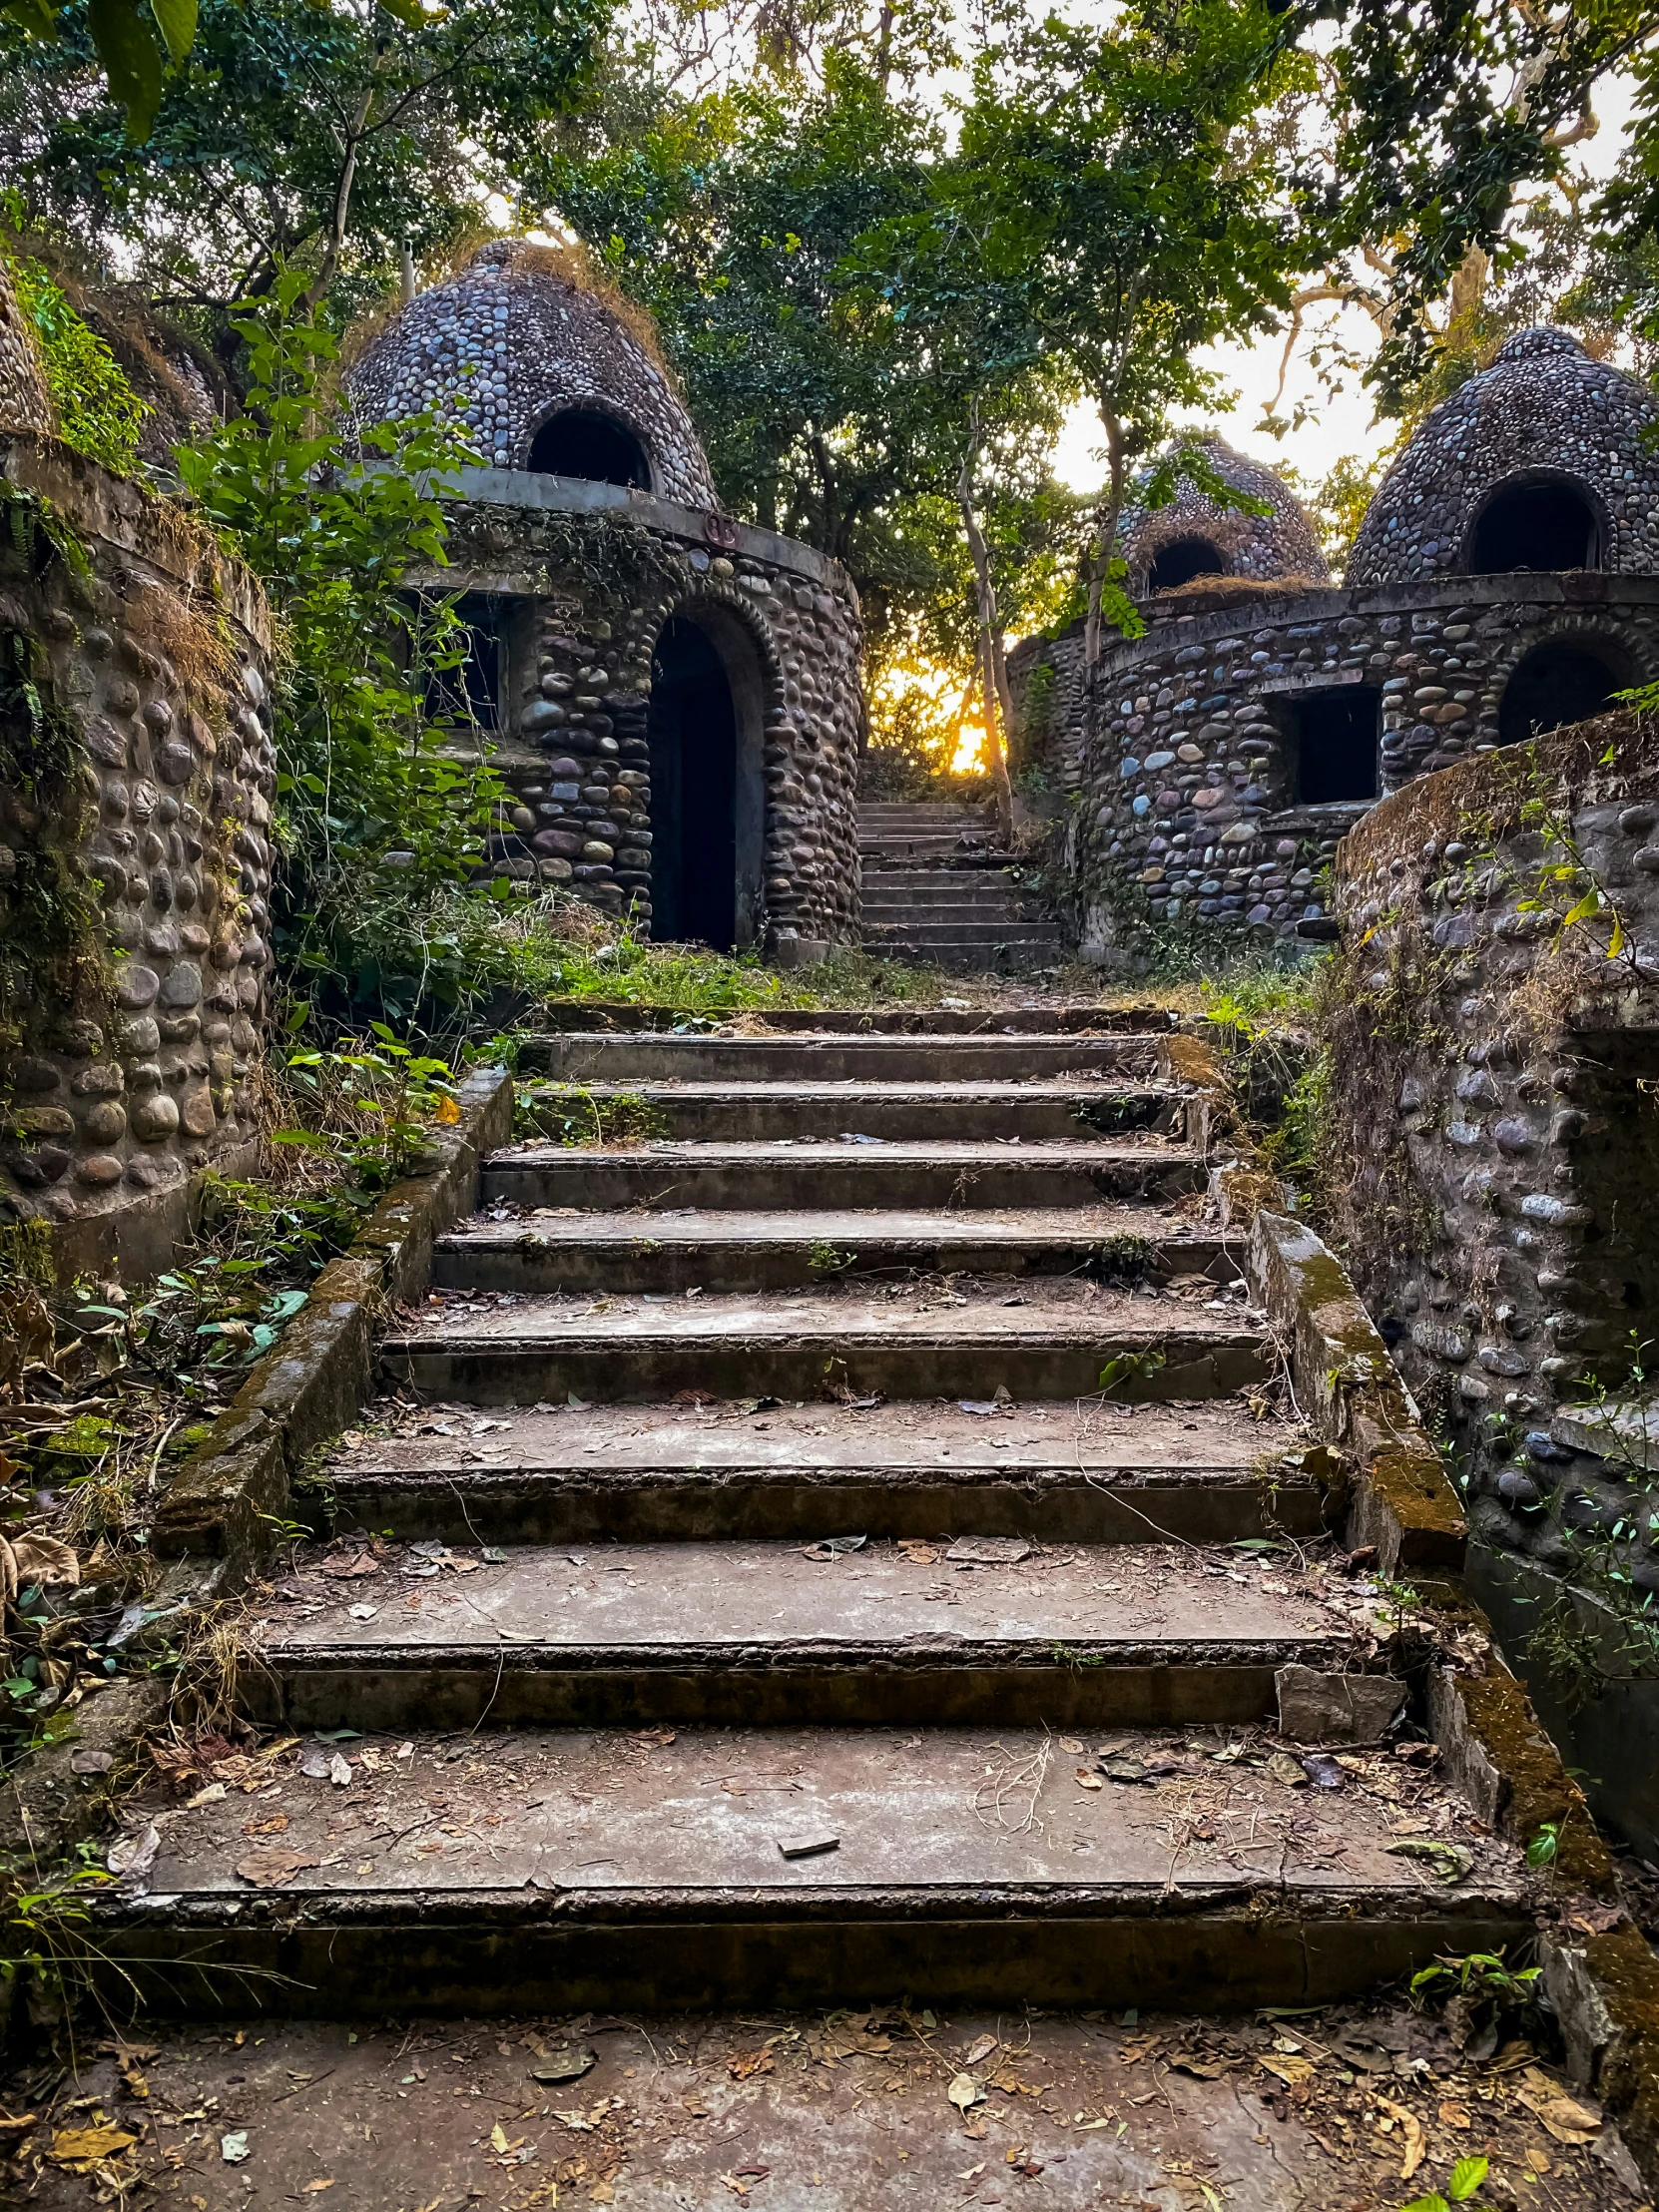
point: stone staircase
(937, 891)
(845, 1545)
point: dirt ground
(1352, 2109)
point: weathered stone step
(882, 1172)
(1013, 955)
(762, 1249)
(703, 1112)
(1013, 1056)
(929, 888)
(889, 846)
(1103, 1474)
(971, 928)
(548, 1870)
(1049, 1342)
(756, 1634)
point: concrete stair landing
(847, 1545)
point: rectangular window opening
(1338, 735)
(471, 691)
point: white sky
(1338, 425)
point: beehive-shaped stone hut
(1195, 537)
(672, 697)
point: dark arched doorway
(1539, 523)
(1554, 685)
(1183, 559)
(581, 441)
(707, 806)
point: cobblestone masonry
(1506, 1138)
(581, 578)
(1182, 804)
(584, 583)
(25, 403)
(134, 829)
(512, 341)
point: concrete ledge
(1347, 1383)
(308, 1386)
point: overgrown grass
(447, 957)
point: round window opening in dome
(1183, 559)
(583, 442)
(1543, 523)
(1554, 685)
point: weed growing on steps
(571, 1114)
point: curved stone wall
(1187, 790)
(512, 341)
(135, 866)
(1543, 410)
(583, 579)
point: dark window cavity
(1554, 685)
(1183, 559)
(694, 771)
(470, 691)
(581, 441)
(1337, 734)
(1545, 524)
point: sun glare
(969, 756)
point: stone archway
(591, 446)
(708, 805)
(1562, 681)
(1183, 559)
(1535, 522)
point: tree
(135, 41)
(330, 137)
(1130, 182)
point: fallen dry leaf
(46, 1560)
(965, 2092)
(980, 2050)
(742, 2064)
(270, 1866)
(1455, 2115)
(1292, 2071)
(1563, 2117)
(1087, 1781)
(79, 2149)
(1411, 2128)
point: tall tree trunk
(1101, 549)
(993, 671)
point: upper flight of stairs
(935, 891)
(752, 1596)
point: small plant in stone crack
(1127, 1368)
(377, 1101)
(824, 1257)
(1463, 2187)
(571, 1114)
(1611, 1547)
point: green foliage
(1125, 1369)
(571, 1114)
(1466, 2177)
(98, 413)
(134, 43)
(378, 1103)
(1478, 1973)
(301, 133)
(337, 531)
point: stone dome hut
(673, 697)
(1505, 582)
(1535, 464)
(1166, 547)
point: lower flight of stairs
(847, 1544)
(937, 891)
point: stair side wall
(137, 783)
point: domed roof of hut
(1535, 462)
(1166, 547)
(545, 371)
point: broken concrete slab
(1318, 1707)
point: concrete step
(1014, 1056)
(830, 1173)
(760, 1249)
(1012, 956)
(1052, 1340)
(886, 888)
(946, 928)
(705, 1112)
(1101, 1474)
(539, 1871)
(756, 1634)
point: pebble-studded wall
(1188, 800)
(1493, 1068)
(509, 343)
(134, 864)
(581, 595)
(1253, 722)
